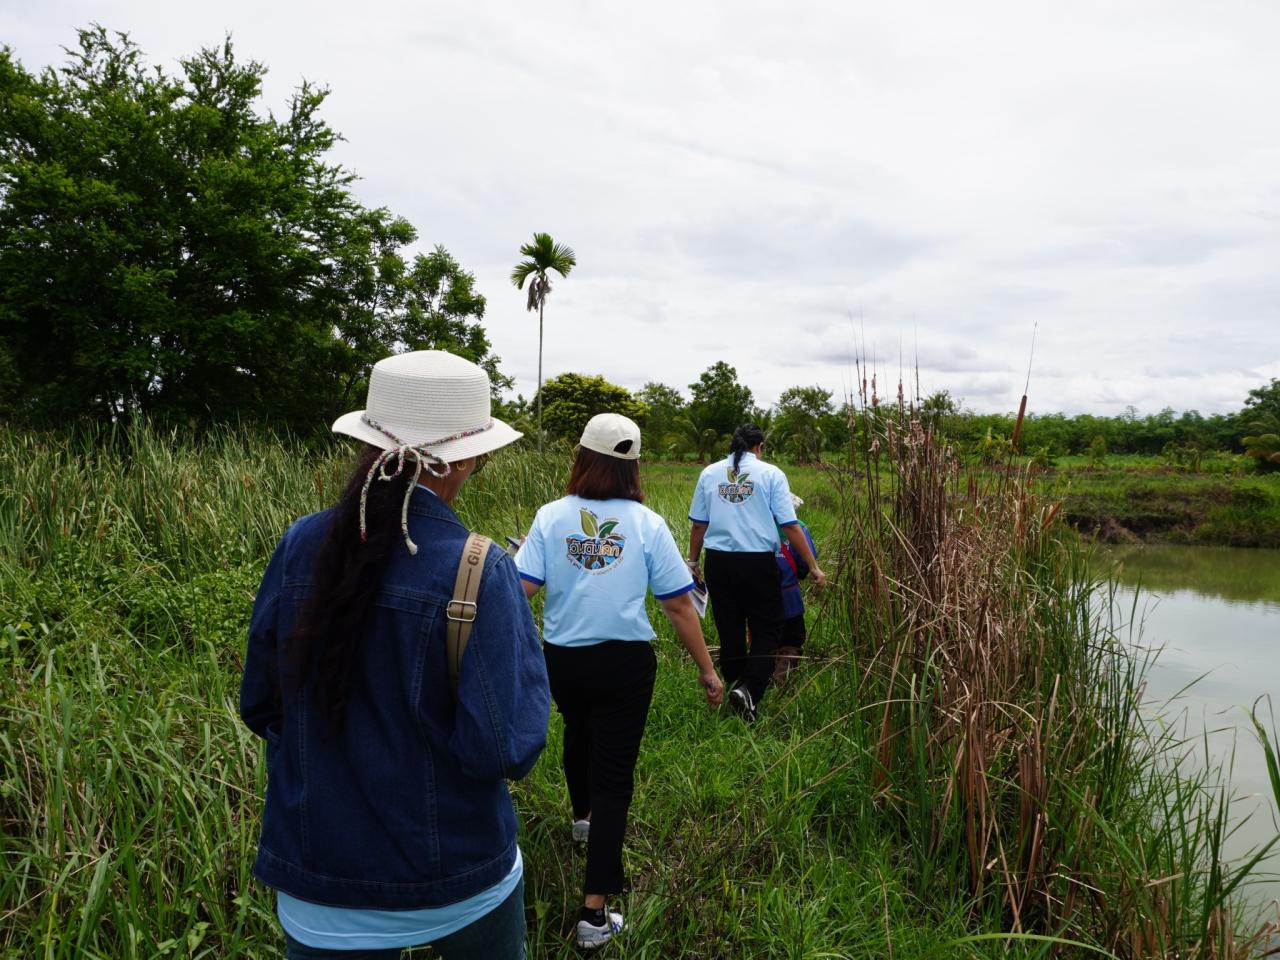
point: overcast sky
(777, 185)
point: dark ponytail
(344, 583)
(745, 438)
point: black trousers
(793, 632)
(603, 693)
(746, 591)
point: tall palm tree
(541, 256)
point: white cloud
(772, 185)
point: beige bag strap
(461, 610)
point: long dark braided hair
(745, 438)
(344, 583)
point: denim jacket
(407, 806)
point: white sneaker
(743, 704)
(581, 831)
(591, 937)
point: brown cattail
(1017, 427)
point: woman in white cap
(598, 552)
(387, 820)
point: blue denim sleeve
(260, 685)
(500, 721)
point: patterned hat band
(423, 459)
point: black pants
(603, 693)
(746, 591)
(793, 632)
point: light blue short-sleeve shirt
(346, 928)
(742, 509)
(598, 559)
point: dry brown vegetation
(1009, 744)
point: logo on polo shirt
(739, 487)
(598, 547)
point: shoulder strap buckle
(465, 611)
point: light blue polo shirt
(598, 559)
(742, 510)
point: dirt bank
(1188, 510)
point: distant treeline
(1180, 437)
(807, 424)
(1061, 435)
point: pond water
(1213, 613)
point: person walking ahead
(738, 507)
(598, 552)
(387, 819)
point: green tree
(1098, 451)
(381, 303)
(664, 407)
(1263, 400)
(798, 423)
(167, 249)
(695, 435)
(719, 402)
(1263, 443)
(837, 428)
(571, 399)
(542, 256)
(1257, 425)
(938, 406)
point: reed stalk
(1010, 735)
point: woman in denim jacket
(387, 820)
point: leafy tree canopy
(664, 405)
(571, 399)
(169, 249)
(1264, 400)
(800, 422)
(805, 402)
(542, 256)
(939, 404)
(1264, 445)
(659, 396)
(720, 403)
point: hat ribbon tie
(423, 459)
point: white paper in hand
(699, 595)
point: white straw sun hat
(605, 432)
(428, 399)
(430, 407)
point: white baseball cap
(606, 432)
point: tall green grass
(960, 770)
